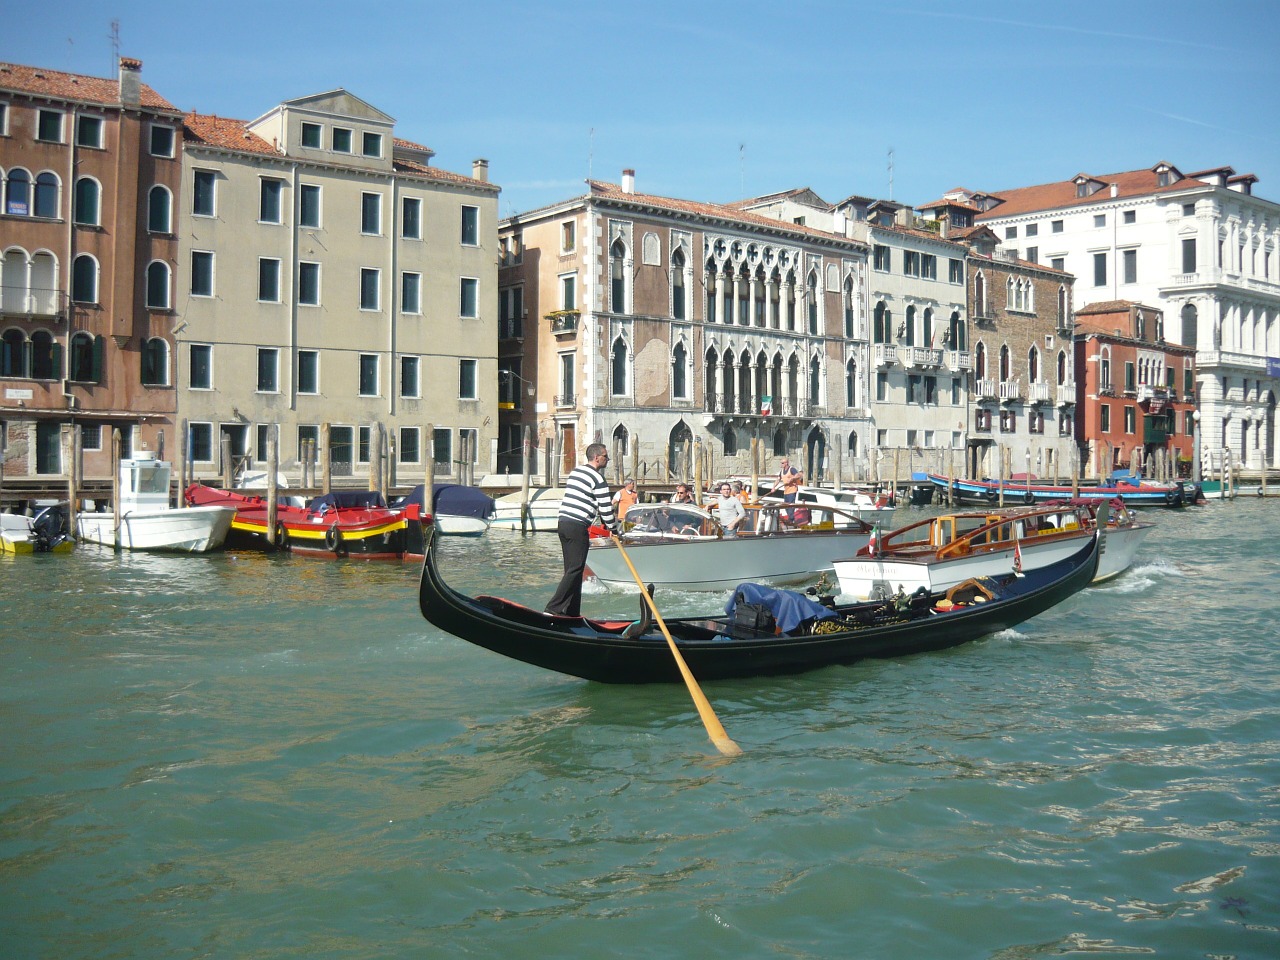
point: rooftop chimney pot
(628, 181)
(130, 81)
(480, 170)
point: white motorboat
(683, 547)
(943, 551)
(147, 521)
(544, 510)
(46, 532)
(873, 508)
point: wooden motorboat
(1133, 491)
(147, 521)
(349, 523)
(853, 502)
(681, 546)
(937, 553)
(733, 645)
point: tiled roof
(410, 145)
(73, 86)
(1105, 306)
(221, 132)
(443, 176)
(961, 204)
(1052, 196)
(612, 191)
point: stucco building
(332, 275)
(648, 322)
(90, 169)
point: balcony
(566, 400)
(1010, 390)
(923, 357)
(1066, 394)
(1147, 392)
(563, 322)
(958, 360)
(36, 303)
(987, 390)
(1038, 392)
(884, 354)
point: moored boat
(46, 532)
(147, 521)
(721, 647)
(1133, 491)
(937, 553)
(543, 510)
(684, 547)
(457, 510)
(348, 523)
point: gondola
(627, 651)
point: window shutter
(99, 348)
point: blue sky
(717, 101)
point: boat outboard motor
(49, 529)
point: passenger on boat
(682, 494)
(586, 496)
(789, 480)
(731, 511)
(625, 498)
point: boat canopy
(454, 500)
(348, 499)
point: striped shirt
(585, 495)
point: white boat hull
(544, 510)
(184, 530)
(863, 578)
(723, 563)
(456, 526)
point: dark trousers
(574, 541)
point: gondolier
(586, 496)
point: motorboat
(683, 546)
(748, 641)
(939, 552)
(852, 501)
(146, 519)
(543, 514)
(46, 532)
(346, 523)
(457, 510)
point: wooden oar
(709, 719)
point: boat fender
(282, 536)
(1170, 498)
(333, 540)
(1029, 498)
(993, 495)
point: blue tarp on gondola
(789, 609)
(347, 498)
(455, 500)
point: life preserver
(333, 541)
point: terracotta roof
(410, 145)
(74, 86)
(1106, 306)
(612, 191)
(963, 205)
(222, 132)
(443, 176)
(1052, 196)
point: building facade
(90, 169)
(1198, 246)
(648, 323)
(1138, 400)
(331, 277)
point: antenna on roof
(742, 171)
(891, 173)
(591, 151)
(115, 46)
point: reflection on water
(265, 756)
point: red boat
(349, 523)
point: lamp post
(1195, 446)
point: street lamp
(1195, 446)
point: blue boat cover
(347, 498)
(789, 609)
(454, 500)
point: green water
(261, 757)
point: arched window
(159, 210)
(158, 285)
(619, 368)
(621, 441)
(1063, 376)
(1033, 365)
(679, 363)
(979, 295)
(87, 208)
(730, 439)
(780, 442)
(1062, 307)
(84, 279)
(1104, 369)
(17, 194)
(617, 277)
(955, 332)
(926, 336)
(853, 444)
(677, 286)
(155, 363)
(812, 296)
(709, 281)
(13, 353)
(46, 359)
(849, 301)
(1010, 296)
(81, 365)
(909, 328)
(815, 381)
(980, 361)
(851, 384)
(744, 382)
(1006, 363)
(883, 332)
(709, 367)
(46, 198)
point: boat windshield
(668, 518)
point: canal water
(244, 756)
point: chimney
(480, 170)
(902, 217)
(1115, 189)
(838, 224)
(130, 81)
(945, 229)
(628, 181)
